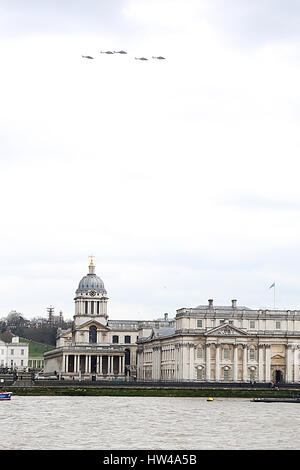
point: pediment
(277, 356)
(225, 330)
(95, 323)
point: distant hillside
(44, 335)
(6, 336)
(36, 349)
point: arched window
(93, 334)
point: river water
(98, 423)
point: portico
(101, 365)
(236, 361)
(225, 344)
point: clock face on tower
(92, 293)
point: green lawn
(36, 349)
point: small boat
(210, 399)
(276, 400)
(5, 395)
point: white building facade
(14, 355)
(224, 344)
(96, 348)
(203, 344)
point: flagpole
(273, 287)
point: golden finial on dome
(91, 263)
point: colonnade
(261, 364)
(178, 361)
(91, 363)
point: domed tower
(91, 298)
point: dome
(91, 282)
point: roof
(163, 331)
(220, 307)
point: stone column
(288, 366)
(176, 361)
(261, 362)
(217, 362)
(66, 363)
(268, 363)
(245, 362)
(207, 362)
(296, 363)
(154, 362)
(191, 361)
(159, 363)
(235, 362)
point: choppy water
(96, 423)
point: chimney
(210, 303)
(233, 302)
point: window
(199, 353)
(127, 339)
(226, 374)
(199, 323)
(93, 334)
(226, 353)
(252, 323)
(22, 352)
(85, 307)
(251, 353)
(199, 374)
(92, 307)
(278, 325)
(115, 339)
(252, 375)
(12, 352)
(22, 363)
(98, 307)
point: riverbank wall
(81, 389)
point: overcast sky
(181, 176)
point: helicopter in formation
(124, 52)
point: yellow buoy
(210, 399)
